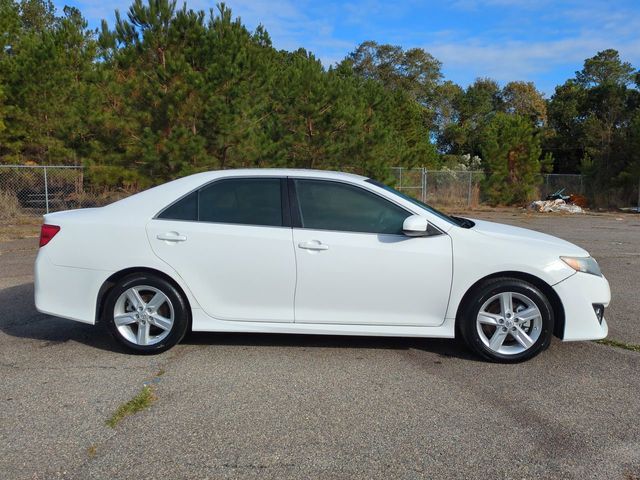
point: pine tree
(44, 68)
(511, 156)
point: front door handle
(172, 237)
(313, 245)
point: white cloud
(506, 61)
(525, 46)
(296, 24)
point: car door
(355, 266)
(231, 243)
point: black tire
(181, 312)
(477, 298)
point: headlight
(583, 264)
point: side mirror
(415, 226)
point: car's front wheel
(507, 320)
(146, 313)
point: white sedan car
(312, 252)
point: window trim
(285, 210)
(296, 220)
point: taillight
(47, 232)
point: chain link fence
(555, 182)
(442, 188)
(35, 190)
(461, 188)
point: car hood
(526, 238)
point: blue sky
(544, 41)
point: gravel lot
(272, 406)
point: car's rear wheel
(507, 320)
(146, 313)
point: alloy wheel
(509, 323)
(143, 315)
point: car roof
(150, 201)
(279, 172)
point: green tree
(182, 94)
(474, 109)
(44, 70)
(522, 98)
(565, 113)
(629, 177)
(2, 109)
(413, 71)
(605, 68)
(511, 155)
(591, 118)
(167, 91)
(239, 71)
(339, 120)
(148, 129)
(37, 15)
(10, 25)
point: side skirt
(204, 323)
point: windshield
(430, 209)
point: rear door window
(245, 201)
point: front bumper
(578, 294)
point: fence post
(582, 188)
(426, 189)
(46, 190)
(469, 192)
(400, 180)
(423, 193)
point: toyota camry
(312, 252)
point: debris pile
(557, 202)
(557, 205)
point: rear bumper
(66, 292)
(578, 294)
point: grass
(20, 227)
(142, 400)
(615, 343)
(9, 206)
(92, 450)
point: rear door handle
(172, 237)
(313, 245)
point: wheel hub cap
(143, 315)
(509, 323)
